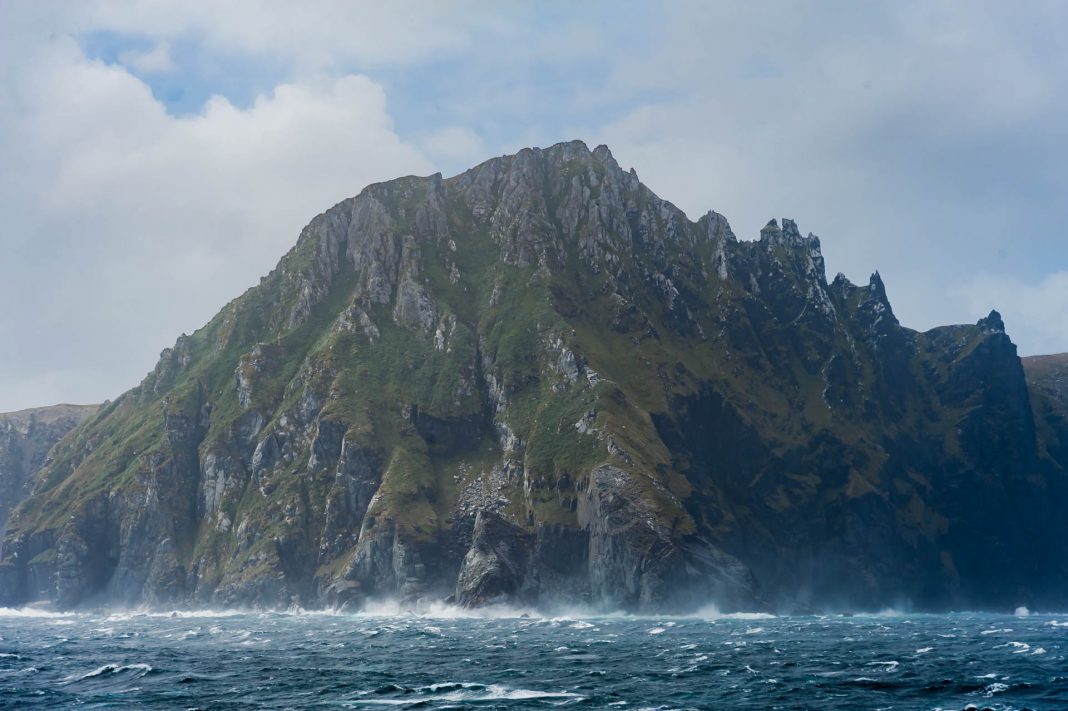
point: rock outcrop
(26, 437)
(537, 381)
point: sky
(159, 157)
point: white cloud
(152, 61)
(126, 225)
(313, 34)
(455, 145)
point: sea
(444, 658)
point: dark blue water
(276, 660)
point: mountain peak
(992, 323)
(528, 381)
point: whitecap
(443, 611)
(995, 688)
(1039, 650)
(1022, 611)
(113, 669)
(495, 692)
(476, 693)
(31, 612)
(656, 630)
(995, 631)
(888, 666)
(924, 650)
(754, 630)
(711, 612)
(581, 625)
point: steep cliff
(26, 437)
(1047, 378)
(539, 381)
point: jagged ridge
(537, 380)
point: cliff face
(26, 437)
(539, 381)
(1047, 378)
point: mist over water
(507, 658)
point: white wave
(924, 650)
(712, 612)
(995, 688)
(441, 611)
(1038, 650)
(754, 630)
(112, 670)
(1054, 623)
(1022, 611)
(996, 631)
(473, 693)
(31, 612)
(581, 625)
(888, 666)
(656, 630)
(127, 615)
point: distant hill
(26, 437)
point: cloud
(126, 225)
(455, 145)
(153, 61)
(313, 35)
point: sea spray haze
(538, 383)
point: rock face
(1047, 377)
(538, 382)
(26, 437)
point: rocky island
(537, 382)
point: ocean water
(445, 659)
